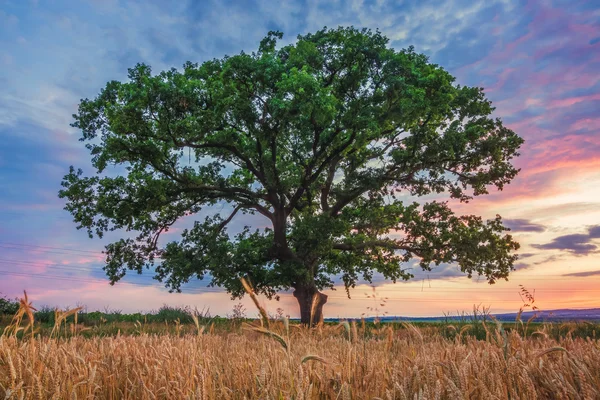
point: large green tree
(325, 138)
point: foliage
(7, 306)
(45, 315)
(165, 313)
(325, 138)
(169, 313)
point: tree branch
(309, 178)
(327, 188)
(388, 244)
(228, 220)
(233, 150)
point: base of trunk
(311, 311)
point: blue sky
(537, 60)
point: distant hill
(590, 314)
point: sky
(538, 62)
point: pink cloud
(502, 78)
(567, 152)
(572, 101)
(586, 123)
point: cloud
(523, 225)
(583, 274)
(439, 272)
(442, 271)
(565, 209)
(577, 244)
(549, 259)
(594, 232)
(522, 266)
(526, 255)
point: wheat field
(273, 359)
(321, 363)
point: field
(204, 358)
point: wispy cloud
(577, 244)
(523, 225)
(584, 274)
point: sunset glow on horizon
(538, 62)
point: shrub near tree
(330, 139)
(7, 306)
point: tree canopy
(332, 139)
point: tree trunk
(305, 295)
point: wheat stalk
(313, 358)
(248, 288)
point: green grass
(169, 320)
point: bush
(8, 307)
(169, 314)
(45, 315)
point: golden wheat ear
(551, 350)
(313, 308)
(263, 313)
(25, 309)
(313, 358)
(199, 329)
(267, 332)
(28, 311)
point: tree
(326, 138)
